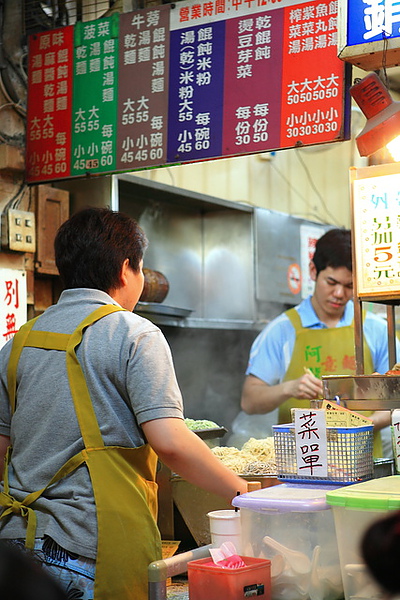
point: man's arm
(259, 398)
(380, 419)
(186, 454)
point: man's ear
(124, 268)
(313, 271)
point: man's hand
(306, 387)
(260, 398)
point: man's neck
(324, 317)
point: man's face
(136, 280)
(333, 289)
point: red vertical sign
(313, 82)
(48, 142)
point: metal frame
(160, 570)
(390, 303)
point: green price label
(95, 96)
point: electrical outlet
(18, 231)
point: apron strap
(294, 317)
(86, 416)
(47, 340)
(26, 336)
(23, 508)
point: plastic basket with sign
(349, 455)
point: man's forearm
(380, 419)
(186, 454)
(260, 398)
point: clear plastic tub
(292, 525)
(355, 508)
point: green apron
(123, 479)
(325, 352)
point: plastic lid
(377, 494)
(285, 498)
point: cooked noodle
(257, 457)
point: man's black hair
(333, 249)
(92, 245)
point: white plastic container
(225, 526)
(293, 527)
(355, 507)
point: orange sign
(294, 278)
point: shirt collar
(309, 317)
(85, 294)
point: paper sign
(311, 444)
(13, 312)
(377, 237)
(353, 419)
(396, 437)
(309, 235)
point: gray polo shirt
(131, 379)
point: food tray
(162, 309)
(211, 433)
(349, 453)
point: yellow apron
(123, 479)
(325, 352)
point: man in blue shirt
(315, 338)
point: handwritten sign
(13, 312)
(311, 443)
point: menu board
(182, 83)
(94, 110)
(377, 235)
(250, 79)
(143, 88)
(49, 116)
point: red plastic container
(208, 581)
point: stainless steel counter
(363, 392)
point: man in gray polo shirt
(88, 398)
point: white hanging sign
(396, 438)
(311, 445)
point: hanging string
(384, 57)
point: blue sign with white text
(372, 21)
(196, 92)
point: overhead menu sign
(173, 85)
